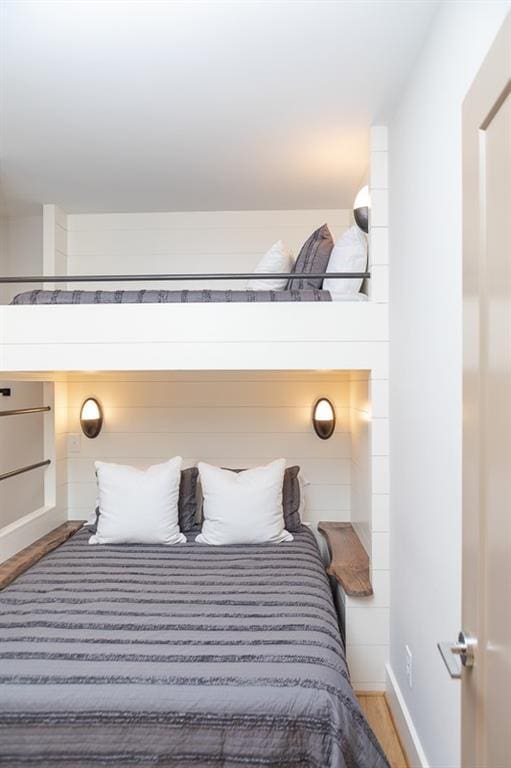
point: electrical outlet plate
(73, 443)
(409, 659)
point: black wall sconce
(323, 418)
(361, 209)
(91, 417)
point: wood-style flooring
(377, 712)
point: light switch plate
(74, 443)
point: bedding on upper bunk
(203, 296)
(348, 255)
(173, 656)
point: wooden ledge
(349, 562)
(22, 561)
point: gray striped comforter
(204, 296)
(177, 656)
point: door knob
(465, 649)
(452, 653)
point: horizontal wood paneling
(217, 419)
(267, 446)
(224, 241)
(207, 219)
(298, 396)
(317, 471)
(239, 423)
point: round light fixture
(361, 209)
(323, 418)
(91, 417)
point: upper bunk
(307, 332)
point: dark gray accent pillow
(290, 497)
(313, 257)
(187, 502)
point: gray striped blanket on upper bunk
(150, 296)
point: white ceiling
(132, 106)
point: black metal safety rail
(21, 470)
(176, 277)
(21, 411)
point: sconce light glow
(361, 209)
(91, 417)
(323, 418)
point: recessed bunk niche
(231, 419)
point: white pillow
(348, 255)
(243, 507)
(138, 506)
(278, 259)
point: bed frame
(220, 336)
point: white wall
(21, 443)
(425, 394)
(224, 241)
(21, 251)
(235, 419)
(360, 414)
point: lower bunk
(179, 655)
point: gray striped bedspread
(169, 297)
(177, 656)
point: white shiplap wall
(222, 241)
(360, 415)
(367, 619)
(230, 419)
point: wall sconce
(361, 209)
(91, 417)
(323, 418)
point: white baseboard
(404, 722)
(23, 532)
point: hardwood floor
(377, 712)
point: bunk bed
(136, 330)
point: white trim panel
(404, 723)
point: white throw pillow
(278, 259)
(348, 255)
(138, 506)
(243, 507)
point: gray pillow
(290, 497)
(313, 257)
(187, 502)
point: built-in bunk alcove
(229, 418)
(235, 418)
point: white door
(486, 686)
(484, 645)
